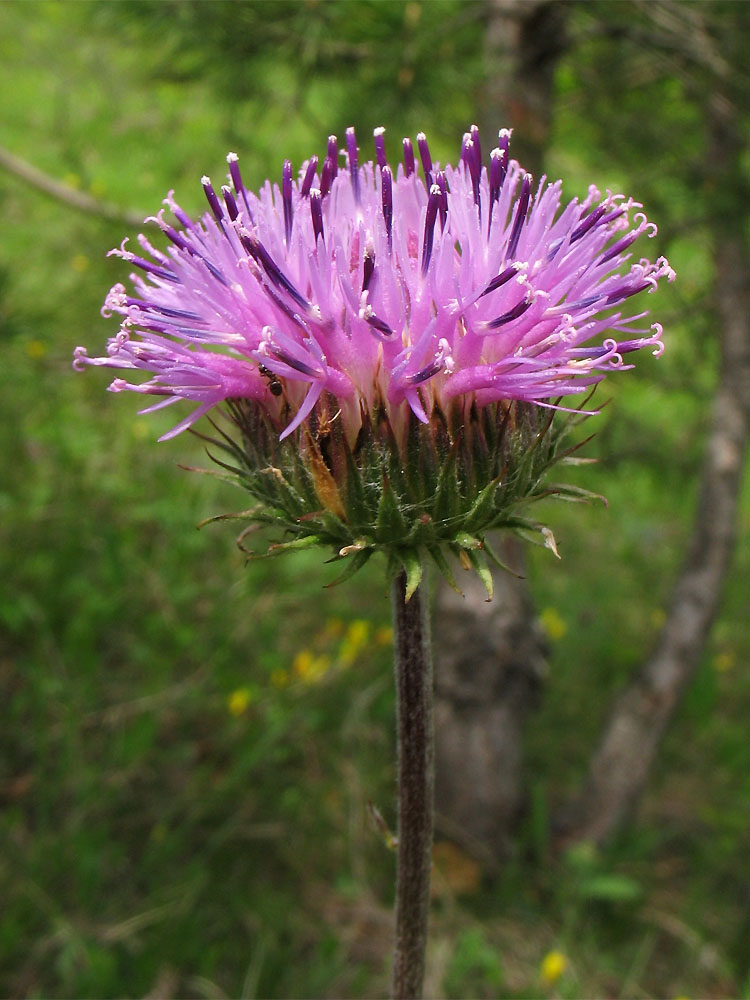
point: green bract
(439, 490)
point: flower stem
(415, 787)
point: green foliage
(190, 743)
(476, 968)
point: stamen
(213, 201)
(433, 203)
(316, 213)
(518, 310)
(588, 222)
(424, 154)
(620, 246)
(375, 322)
(503, 141)
(386, 179)
(351, 149)
(177, 239)
(380, 146)
(326, 175)
(295, 363)
(477, 147)
(333, 153)
(463, 156)
(425, 373)
(182, 217)
(624, 291)
(499, 280)
(239, 187)
(309, 177)
(286, 195)
(521, 210)
(498, 170)
(440, 181)
(145, 265)
(408, 157)
(473, 165)
(368, 268)
(259, 253)
(232, 210)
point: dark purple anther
(368, 268)
(214, 270)
(295, 363)
(590, 221)
(498, 170)
(259, 253)
(464, 156)
(309, 177)
(286, 195)
(232, 210)
(333, 153)
(612, 216)
(316, 213)
(213, 201)
(408, 157)
(503, 141)
(518, 310)
(178, 241)
(162, 310)
(424, 374)
(378, 324)
(433, 203)
(379, 135)
(386, 178)
(477, 146)
(521, 210)
(620, 246)
(583, 303)
(239, 187)
(501, 279)
(440, 181)
(326, 176)
(469, 157)
(149, 268)
(424, 154)
(234, 172)
(181, 217)
(351, 149)
(625, 290)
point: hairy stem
(415, 787)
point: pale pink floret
(401, 289)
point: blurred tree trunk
(490, 657)
(621, 764)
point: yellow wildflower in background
(554, 625)
(36, 349)
(553, 966)
(238, 701)
(310, 668)
(724, 661)
(355, 641)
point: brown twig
(78, 200)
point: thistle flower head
(356, 301)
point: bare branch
(78, 200)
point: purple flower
(384, 288)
